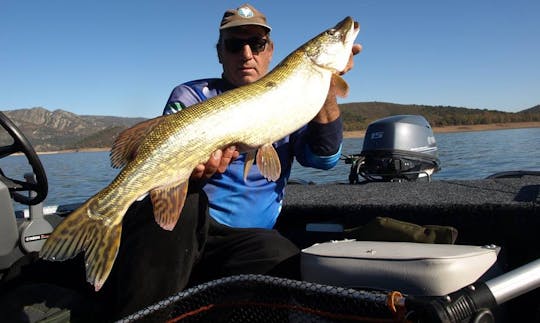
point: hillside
(60, 130)
(357, 116)
(535, 109)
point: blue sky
(123, 58)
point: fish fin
(340, 85)
(168, 202)
(78, 232)
(126, 145)
(100, 255)
(250, 157)
(268, 162)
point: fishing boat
(390, 244)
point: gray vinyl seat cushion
(410, 268)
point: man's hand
(218, 162)
(357, 48)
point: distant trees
(357, 116)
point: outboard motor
(396, 148)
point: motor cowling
(397, 148)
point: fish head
(332, 48)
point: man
(245, 50)
(227, 229)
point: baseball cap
(246, 14)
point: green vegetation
(357, 116)
(103, 138)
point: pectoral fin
(268, 162)
(250, 157)
(168, 202)
(341, 87)
(127, 143)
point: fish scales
(159, 155)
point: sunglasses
(235, 45)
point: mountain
(59, 130)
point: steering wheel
(21, 144)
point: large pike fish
(159, 155)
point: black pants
(153, 263)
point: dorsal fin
(126, 145)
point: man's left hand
(357, 48)
(217, 163)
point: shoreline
(361, 133)
(462, 128)
(82, 150)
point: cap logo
(245, 12)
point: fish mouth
(347, 24)
(331, 50)
(353, 31)
(348, 29)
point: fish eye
(332, 31)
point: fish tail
(79, 232)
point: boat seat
(410, 268)
(9, 233)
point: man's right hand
(218, 162)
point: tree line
(357, 116)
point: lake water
(73, 177)
(463, 155)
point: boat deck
(502, 211)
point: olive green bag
(388, 229)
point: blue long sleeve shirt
(256, 202)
